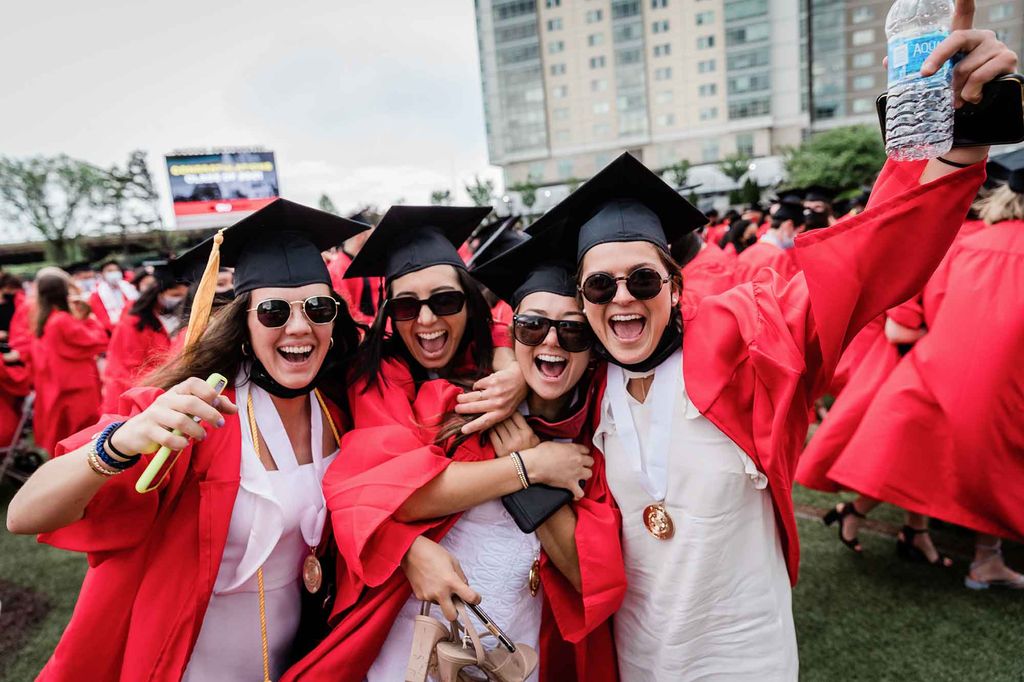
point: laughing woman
(198, 577)
(700, 432)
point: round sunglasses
(275, 312)
(573, 336)
(642, 284)
(442, 304)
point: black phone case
(530, 507)
(997, 119)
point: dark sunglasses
(275, 312)
(442, 304)
(573, 336)
(642, 284)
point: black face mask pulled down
(259, 375)
(671, 341)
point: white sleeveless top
(277, 516)
(713, 602)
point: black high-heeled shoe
(838, 514)
(908, 551)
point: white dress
(713, 602)
(277, 516)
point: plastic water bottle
(919, 111)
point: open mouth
(295, 355)
(628, 327)
(550, 366)
(432, 343)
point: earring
(331, 345)
(245, 348)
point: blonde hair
(1002, 204)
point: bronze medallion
(534, 577)
(658, 522)
(312, 574)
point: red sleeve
(15, 380)
(910, 314)
(388, 401)
(100, 310)
(20, 333)
(500, 335)
(79, 338)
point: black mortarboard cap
(526, 269)
(790, 208)
(277, 246)
(410, 238)
(498, 242)
(1009, 167)
(625, 202)
(80, 266)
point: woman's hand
(896, 333)
(512, 435)
(78, 306)
(560, 465)
(435, 575)
(147, 431)
(495, 398)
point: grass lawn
(858, 618)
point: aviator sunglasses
(275, 312)
(573, 336)
(643, 284)
(442, 304)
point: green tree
(527, 191)
(326, 205)
(56, 196)
(481, 192)
(750, 192)
(839, 159)
(441, 197)
(131, 201)
(735, 166)
(678, 172)
(573, 184)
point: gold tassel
(202, 303)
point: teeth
(298, 350)
(432, 335)
(550, 358)
(626, 318)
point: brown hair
(51, 294)
(1002, 204)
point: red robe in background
(132, 354)
(378, 469)
(358, 293)
(765, 255)
(502, 314)
(15, 384)
(944, 437)
(714, 233)
(65, 376)
(709, 273)
(757, 356)
(20, 335)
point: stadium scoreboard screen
(220, 187)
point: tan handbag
(445, 651)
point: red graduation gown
(153, 559)
(352, 290)
(378, 469)
(714, 233)
(944, 437)
(15, 384)
(20, 335)
(765, 255)
(132, 353)
(710, 272)
(758, 355)
(66, 379)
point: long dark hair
(51, 294)
(221, 349)
(144, 308)
(379, 344)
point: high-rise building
(569, 84)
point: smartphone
(997, 119)
(491, 626)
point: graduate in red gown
(113, 295)
(15, 384)
(707, 270)
(66, 341)
(775, 249)
(943, 436)
(489, 246)
(362, 294)
(175, 577)
(142, 339)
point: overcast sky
(366, 101)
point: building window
(565, 168)
(557, 69)
(560, 91)
(598, 85)
(667, 120)
(741, 84)
(552, 3)
(708, 89)
(662, 50)
(621, 10)
(862, 14)
(534, 95)
(745, 8)
(562, 136)
(709, 113)
(709, 153)
(704, 42)
(597, 62)
(705, 18)
(747, 60)
(863, 105)
(594, 16)
(747, 34)
(1000, 12)
(663, 74)
(863, 60)
(602, 130)
(706, 66)
(756, 107)
(560, 114)
(554, 24)
(556, 47)
(745, 144)
(865, 82)
(865, 36)
(632, 55)
(601, 107)
(660, 26)
(663, 97)
(595, 39)
(658, 4)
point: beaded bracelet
(101, 451)
(517, 462)
(97, 466)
